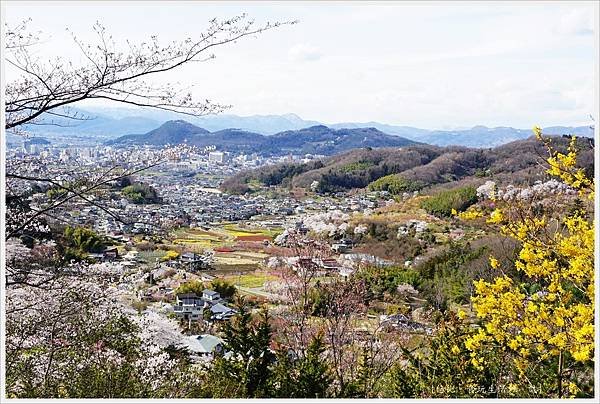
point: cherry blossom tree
(298, 273)
(67, 332)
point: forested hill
(317, 139)
(412, 168)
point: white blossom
(487, 190)
(360, 229)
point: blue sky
(431, 65)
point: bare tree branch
(112, 74)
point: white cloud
(426, 65)
(304, 53)
(576, 22)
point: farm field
(221, 236)
(229, 255)
(251, 280)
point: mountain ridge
(110, 123)
(318, 139)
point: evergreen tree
(306, 377)
(245, 371)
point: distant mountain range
(318, 139)
(477, 136)
(114, 122)
(110, 123)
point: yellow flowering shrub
(170, 255)
(547, 316)
(564, 167)
(469, 214)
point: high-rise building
(216, 157)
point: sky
(434, 65)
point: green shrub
(194, 286)
(226, 290)
(382, 280)
(83, 240)
(441, 205)
(140, 193)
(395, 185)
(56, 193)
(444, 276)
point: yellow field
(235, 231)
(251, 280)
(199, 238)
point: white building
(216, 157)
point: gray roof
(205, 343)
(220, 308)
(189, 295)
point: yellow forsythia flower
(496, 217)
(556, 253)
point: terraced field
(227, 235)
(235, 231)
(251, 280)
(224, 238)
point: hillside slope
(415, 166)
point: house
(329, 264)
(205, 345)
(211, 295)
(401, 322)
(221, 312)
(96, 256)
(131, 256)
(345, 272)
(341, 247)
(308, 265)
(188, 306)
(193, 262)
(301, 228)
(110, 254)
(188, 299)
(456, 234)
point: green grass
(150, 256)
